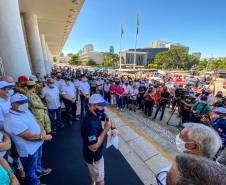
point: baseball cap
(19, 98)
(4, 84)
(31, 83)
(23, 79)
(220, 110)
(98, 99)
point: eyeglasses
(161, 178)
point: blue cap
(98, 99)
(19, 98)
(220, 110)
(4, 84)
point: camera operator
(178, 93)
(162, 102)
(185, 107)
(200, 109)
(149, 101)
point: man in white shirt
(84, 89)
(28, 136)
(59, 82)
(77, 82)
(107, 95)
(127, 88)
(5, 104)
(100, 83)
(93, 85)
(68, 93)
(51, 95)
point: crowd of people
(31, 112)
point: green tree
(111, 59)
(202, 65)
(175, 58)
(74, 60)
(90, 62)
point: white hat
(4, 84)
(98, 99)
(19, 98)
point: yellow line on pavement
(139, 132)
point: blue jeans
(160, 106)
(120, 102)
(84, 105)
(32, 166)
(55, 117)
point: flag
(137, 24)
(122, 30)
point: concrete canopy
(55, 19)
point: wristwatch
(10, 172)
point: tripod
(179, 126)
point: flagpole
(135, 51)
(120, 62)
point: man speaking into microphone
(93, 135)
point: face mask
(51, 86)
(99, 112)
(10, 92)
(180, 144)
(23, 107)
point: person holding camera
(149, 101)
(93, 135)
(200, 109)
(164, 98)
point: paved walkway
(145, 150)
(64, 155)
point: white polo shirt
(52, 97)
(15, 124)
(84, 87)
(106, 87)
(127, 89)
(68, 90)
(59, 83)
(76, 83)
(2, 153)
(5, 106)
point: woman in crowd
(120, 91)
(112, 90)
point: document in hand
(112, 140)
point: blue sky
(199, 24)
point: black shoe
(44, 172)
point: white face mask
(180, 144)
(10, 92)
(23, 107)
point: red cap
(22, 79)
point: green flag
(122, 30)
(137, 24)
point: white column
(45, 54)
(12, 44)
(34, 43)
(50, 57)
